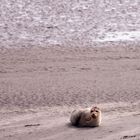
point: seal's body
(90, 117)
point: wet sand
(39, 87)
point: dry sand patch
(39, 87)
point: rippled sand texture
(39, 87)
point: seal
(87, 117)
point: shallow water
(67, 23)
(120, 36)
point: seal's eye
(96, 111)
(92, 111)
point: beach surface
(40, 87)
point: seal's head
(90, 117)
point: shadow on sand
(69, 125)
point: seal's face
(91, 117)
(95, 112)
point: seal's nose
(93, 115)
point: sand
(39, 87)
